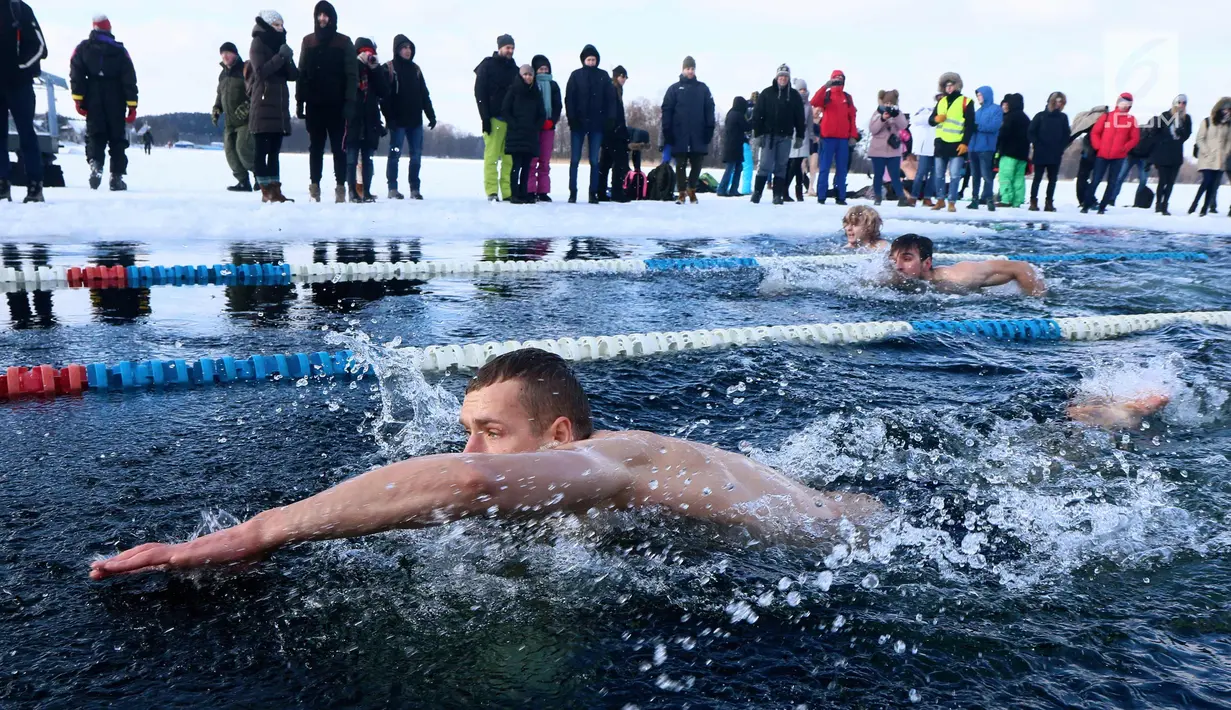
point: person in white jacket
(795, 163)
(924, 147)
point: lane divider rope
(38, 278)
(44, 380)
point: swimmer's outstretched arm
(415, 493)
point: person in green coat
(232, 101)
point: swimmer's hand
(242, 544)
(1118, 413)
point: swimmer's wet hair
(912, 241)
(866, 217)
(549, 389)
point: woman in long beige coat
(1212, 149)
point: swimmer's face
(855, 234)
(497, 422)
(907, 263)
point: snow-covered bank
(180, 193)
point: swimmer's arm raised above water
(414, 493)
(972, 275)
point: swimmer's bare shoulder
(701, 481)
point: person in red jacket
(838, 134)
(1112, 137)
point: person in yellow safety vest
(954, 119)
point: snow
(180, 193)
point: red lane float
(42, 381)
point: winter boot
(757, 189)
(799, 191)
(779, 192)
(6, 190)
(395, 195)
(840, 201)
(940, 205)
(1163, 210)
(117, 183)
(927, 202)
(952, 206)
(314, 192)
(1034, 204)
(593, 198)
(820, 200)
(414, 194)
(679, 199)
(243, 185)
(692, 195)
(264, 193)
(572, 197)
(96, 176)
(906, 202)
(353, 193)
(275, 193)
(1049, 207)
(339, 194)
(876, 202)
(544, 197)
(34, 192)
(991, 207)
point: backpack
(661, 183)
(1144, 197)
(707, 183)
(635, 186)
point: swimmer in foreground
(863, 229)
(911, 255)
(531, 452)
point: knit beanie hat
(1180, 99)
(102, 23)
(783, 70)
(540, 61)
(363, 44)
(525, 69)
(270, 16)
(505, 41)
(619, 71)
(690, 63)
(800, 85)
(228, 47)
(1126, 97)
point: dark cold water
(1029, 561)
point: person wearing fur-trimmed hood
(1049, 136)
(954, 119)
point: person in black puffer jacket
(734, 137)
(688, 127)
(779, 116)
(1172, 127)
(589, 100)
(104, 86)
(1049, 135)
(525, 113)
(364, 129)
(324, 96)
(22, 45)
(492, 79)
(270, 67)
(1013, 145)
(404, 108)
(613, 161)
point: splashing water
(414, 417)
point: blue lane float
(129, 375)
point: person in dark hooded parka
(589, 100)
(407, 102)
(734, 137)
(1049, 135)
(525, 113)
(271, 65)
(325, 94)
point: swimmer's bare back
(968, 276)
(612, 470)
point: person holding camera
(885, 150)
(363, 127)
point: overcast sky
(1090, 49)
